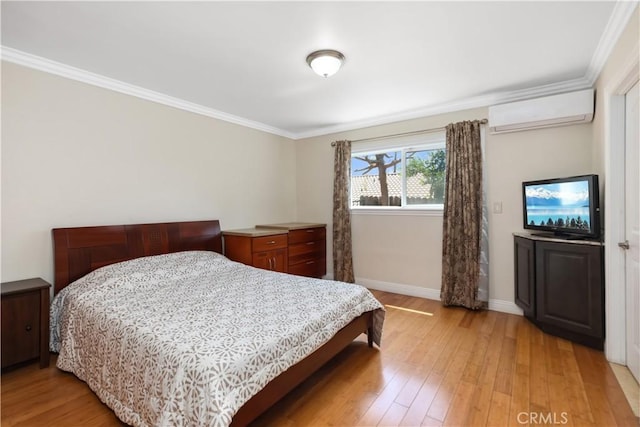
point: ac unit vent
(556, 110)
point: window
(396, 174)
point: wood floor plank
(511, 329)
(539, 388)
(442, 401)
(461, 404)
(383, 402)
(506, 366)
(475, 364)
(524, 344)
(420, 405)
(410, 390)
(454, 367)
(393, 416)
(519, 395)
(489, 322)
(486, 381)
(558, 392)
(499, 410)
(576, 394)
(599, 404)
(553, 361)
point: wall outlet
(497, 207)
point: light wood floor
(437, 366)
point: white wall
(76, 155)
(403, 253)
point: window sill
(397, 212)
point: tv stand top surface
(550, 237)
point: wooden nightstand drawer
(25, 322)
(267, 243)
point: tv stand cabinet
(559, 284)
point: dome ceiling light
(325, 63)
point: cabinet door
(569, 287)
(280, 261)
(20, 328)
(262, 260)
(524, 263)
(275, 260)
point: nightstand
(25, 322)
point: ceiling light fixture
(325, 63)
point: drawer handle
(272, 242)
(27, 328)
(310, 262)
(311, 231)
(311, 243)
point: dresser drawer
(20, 327)
(267, 243)
(307, 235)
(303, 252)
(311, 268)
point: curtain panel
(464, 237)
(342, 256)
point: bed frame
(78, 251)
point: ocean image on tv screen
(561, 205)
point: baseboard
(505, 307)
(434, 294)
(397, 288)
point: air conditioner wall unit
(556, 110)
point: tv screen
(564, 206)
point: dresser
(293, 247)
(258, 247)
(25, 322)
(307, 247)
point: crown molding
(43, 64)
(622, 12)
(459, 105)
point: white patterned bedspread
(186, 339)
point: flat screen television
(567, 207)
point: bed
(167, 331)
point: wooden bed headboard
(78, 251)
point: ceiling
(244, 62)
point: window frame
(433, 141)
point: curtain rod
(415, 132)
